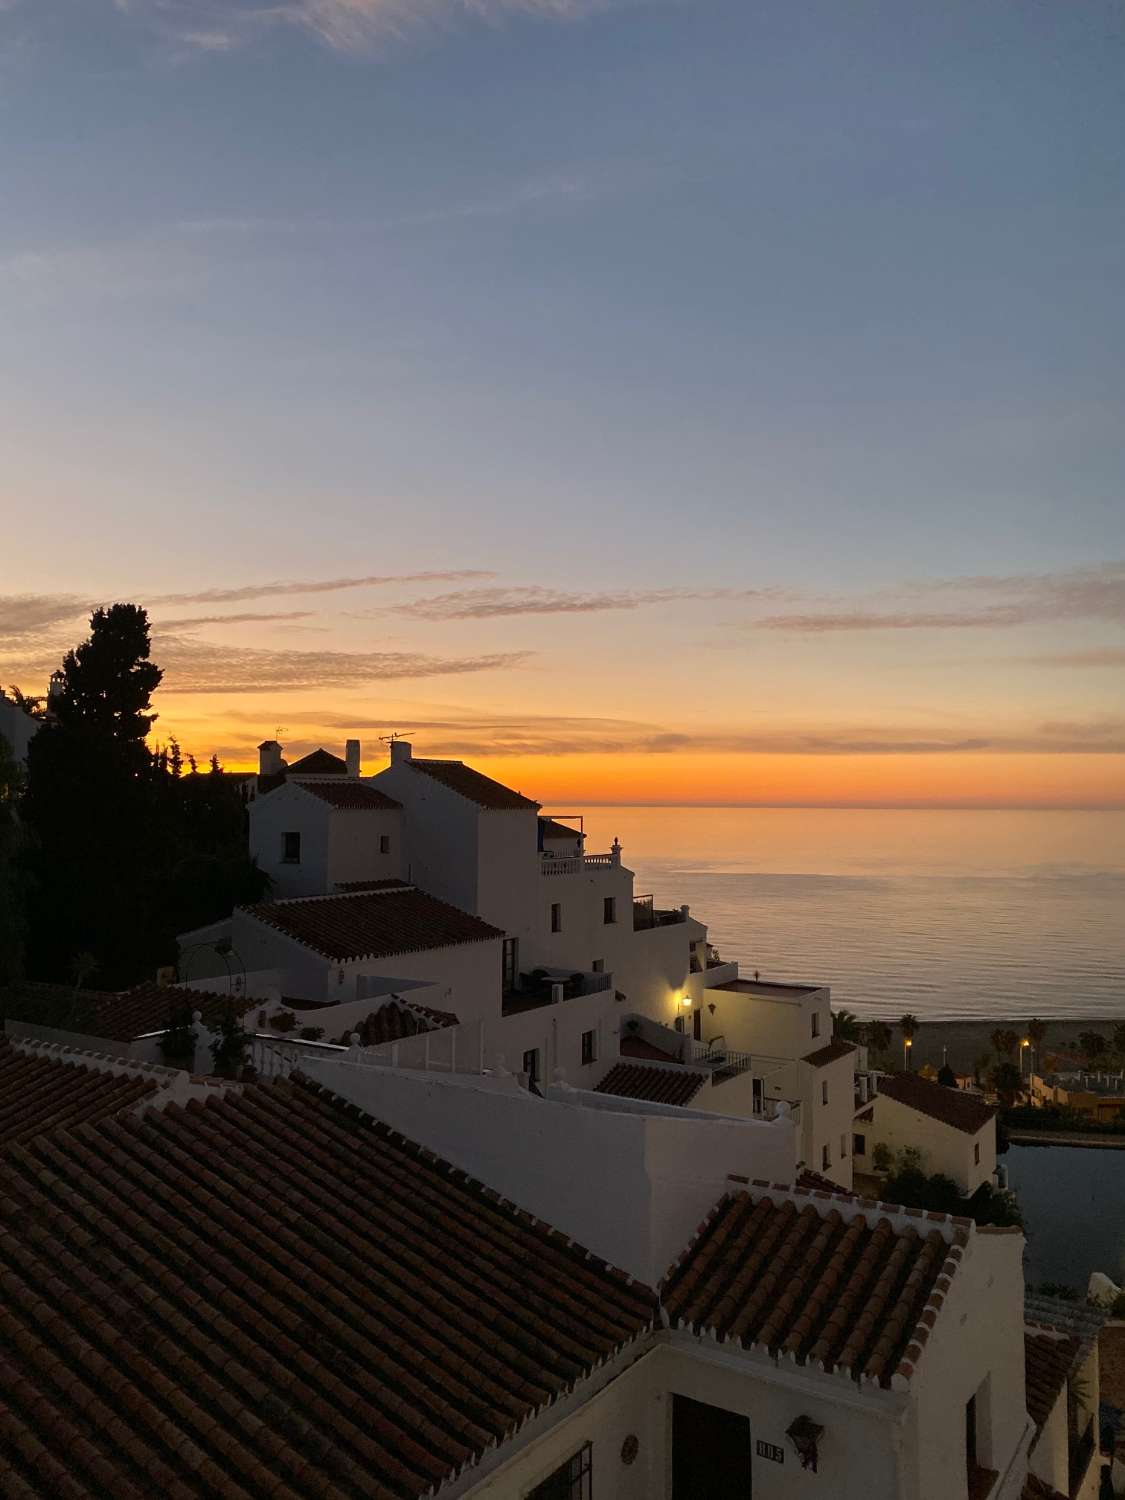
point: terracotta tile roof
(318, 763)
(347, 887)
(119, 1017)
(830, 1054)
(550, 828)
(951, 1106)
(374, 924)
(39, 1094)
(493, 796)
(397, 1019)
(635, 1046)
(1048, 1360)
(845, 1293)
(351, 796)
(1038, 1489)
(271, 1297)
(818, 1184)
(658, 1085)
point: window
(531, 1064)
(573, 1481)
(290, 848)
(678, 1023)
(589, 1047)
(859, 1145)
(556, 916)
(825, 1159)
(824, 1092)
(609, 909)
(598, 966)
(815, 1024)
(384, 843)
(843, 1147)
(510, 969)
(976, 1154)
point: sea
(951, 915)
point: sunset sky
(649, 400)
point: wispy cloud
(348, 26)
(280, 588)
(1108, 656)
(193, 666)
(1094, 593)
(497, 603)
(23, 616)
(189, 622)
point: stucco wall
(287, 809)
(779, 1027)
(631, 1188)
(353, 846)
(828, 1124)
(943, 1148)
(16, 728)
(439, 834)
(978, 1336)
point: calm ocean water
(947, 914)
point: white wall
(353, 845)
(778, 1025)
(288, 809)
(439, 833)
(828, 1124)
(631, 1188)
(943, 1149)
(16, 728)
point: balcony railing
(647, 916)
(574, 864)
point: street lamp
(1023, 1046)
(907, 1043)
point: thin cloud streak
(499, 603)
(282, 587)
(191, 622)
(193, 666)
(1094, 593)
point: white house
(317, 836)
(954, 1132)
(17, 728)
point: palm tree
(878, 1035)
(1005, 1041)
(1036, 1032)
(1093, 1044)
(908, 1025)
(1007, 1082)
(845, 1026)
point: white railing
(574, 864)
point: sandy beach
(968, 1040)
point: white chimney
(269, 758)
(401, 750)
(351, 755)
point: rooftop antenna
(395, 734)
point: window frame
(556, 916)
(576, 1472)
(531, 1053)
(588, 1044)
(823, 1091)
(288, 858)
(384, 843)
(609, 911)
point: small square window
(384, 843)
(815, 1024)
(556, 916)
(859, 1145)
(609, 910)
(824, 1092)
(589, 1047)
(290, 848)
(598, 966)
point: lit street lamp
(907, 1043)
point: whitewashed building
(952, 1131)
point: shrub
(228, 1050)
(311, 1033)
(285, 1020)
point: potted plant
(228, 1050)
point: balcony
(550, 987)
(575, 864)
(647, 916)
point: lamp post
(1023, 1048)
(907, 1043)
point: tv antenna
(395, 734)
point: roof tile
(491, 795)
(952, 1107)
(657, 1085)
(374, 924)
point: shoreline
(965, 1041)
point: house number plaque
(771, 1451)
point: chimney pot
(269, 758)
(401, 750)
(351, 755)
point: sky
(713, 401)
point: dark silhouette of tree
(1093, 1045)
(1006, 1081)
(124, 852)
(11, 890)
(947, 1077)
(878, 1035)
(845, 1026)
(1119, 1039)
(1005, 1041)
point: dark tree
(11, 888)
(124, 850)
(947, 1077)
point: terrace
(646, 915)
(544, 986)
